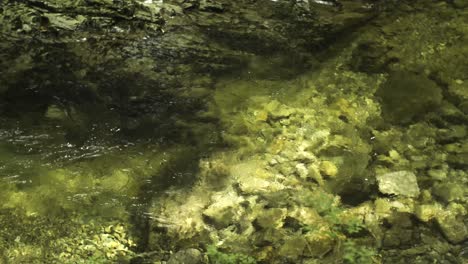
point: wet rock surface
(408, 96)
(136, 56)
(398, 183)
(343, 163)
(186, 256)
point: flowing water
(358, 155)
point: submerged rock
(407, 96)
(449, 191)
(107, 52)
(186, 256)
(272, 218)
(224, 211)
(328, 168)
(399, 183)
(452, 227)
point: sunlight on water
(234, 132)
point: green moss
(355, 254)
(328, 206)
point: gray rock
(186, 256)
(399, 183)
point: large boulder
(407, 97)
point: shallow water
(282, 160)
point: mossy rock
(407, 97)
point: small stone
(255, 185)
(54, 112)
(314, 173)
(399, 183)
(305, 215)
(272, 218)
(396, 236)
(277, 111)
(394, 155)
(382, 207)
(304, 156)
(273, 162)
(426, 212)
(211, 5)
(293, 247)
(318, 139)
(186, 256)
(328, 168)
(223, 212)
(261, 116)
(318, 244)
(286, 168)
(438, 175)
(302, 171)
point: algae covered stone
(225, 210)
(426, 212)
(186, 256)
(449, 191)
(402, 183)
(407, 96)
(328, 168)
(452, 227)
(272, 218)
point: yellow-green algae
(296, 179)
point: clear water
(99, 192)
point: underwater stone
(283, 112)
(305, 215)
(293, 247)
(383, 207)
(55, 112)
(286, 168)
(65, 22)
(302, 170)
(452, 227)
(397, 236)
(407, 96)
(272, 218)
(399, 183)
(254, 185)
(318, 244)
(426, 212)
(314, 173)
(448, 191)
(304, 156)
(438, 175)
(328, 168)
(223, 212)
(210, 5)
(186, 256)
(318, 139)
